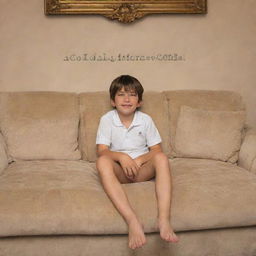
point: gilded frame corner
(125, 11)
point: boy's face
(126, 102)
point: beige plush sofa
(52, 202)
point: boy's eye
(133, 94)
(129, 94)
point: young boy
(129, 150)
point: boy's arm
(146, 157)
(129, 166)
(104, 150)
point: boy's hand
(138, 161)
(129, 166)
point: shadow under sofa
(52, 202)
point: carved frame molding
(125, 11)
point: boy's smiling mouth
(126, 105)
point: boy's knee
(160, 157)
(102, 161)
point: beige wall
(218, 50)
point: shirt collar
(135, 122)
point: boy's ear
(140, 103)
(112, 103)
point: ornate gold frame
(124, 11)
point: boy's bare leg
(163, 191)
(161, 169)
(111, 176)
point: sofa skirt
(219, 242)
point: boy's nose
(126, 98)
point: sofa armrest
(247, 154)
(3, 154)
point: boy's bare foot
(166, 231)
(136, 234)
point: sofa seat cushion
(212, 194)
(66, 197)
(61, 197)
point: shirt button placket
(125, 131)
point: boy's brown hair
(128, 83)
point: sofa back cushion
(40, 125)
(3, 154)
(95, 104)
(209, 134)
(202, 100)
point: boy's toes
(132, 245)
(142, 242)
(169, 237)
(136, 235)
(166, 231)
(138, 243)
(173, 238)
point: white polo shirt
(134, 140)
